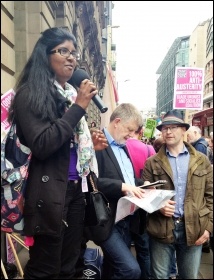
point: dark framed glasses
(66, 53)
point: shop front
(204, 120)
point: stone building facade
(23, 22)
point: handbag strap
(92, 182)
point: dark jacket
(198, 203)
(201, 145)
(111, 178)
(48, 173)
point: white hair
(195, 129)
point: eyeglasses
(171, 128)
(66, 53)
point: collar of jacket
(190, 148)
(195, 156)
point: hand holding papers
(152, 201)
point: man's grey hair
(195, 129)
(127, 112)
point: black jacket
(111, 178)
(48, 173)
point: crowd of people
(50, 117)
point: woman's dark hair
(37, 77)
(158, 143)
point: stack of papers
(154, 200)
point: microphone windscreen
(78, 76)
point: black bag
(97, 212)
(15, 160)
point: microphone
(78, 76)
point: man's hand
(169, 208)
(99, 140)
(132, 190)
(205, 237)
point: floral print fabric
(86, 159)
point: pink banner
(188, 88)
(5, 104)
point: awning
(206, 113)
(203, 118)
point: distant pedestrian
(139, 152)
(158, 143)
(195, 138)
(200, 143)
(210, 151)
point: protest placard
(5, 105)
(188, 88)
(149, 128)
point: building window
(210, 86)
(183, 58)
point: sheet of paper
(153, 200)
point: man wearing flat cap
(185, 222)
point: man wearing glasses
(185, 222)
